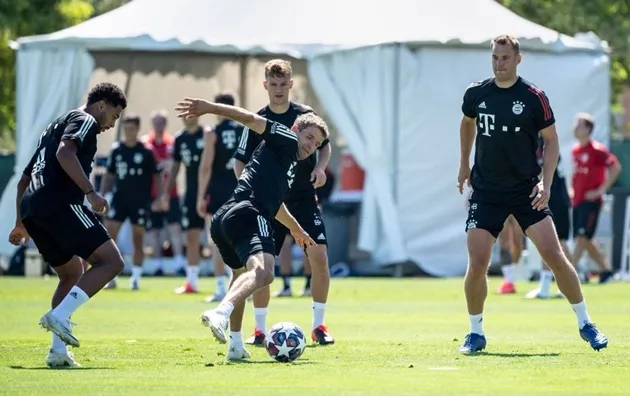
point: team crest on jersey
(137, 158)
(199, 144)
(518, 107)
(584, 157)
(119, 157)
(184, 146)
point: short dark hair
(506, 39)
(132, 119)
(278, 68)
(225, 98)
(109, 93)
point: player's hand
(165, 203)
(302, 239)
(540, 197)
(18, 234)
(318, 178)
(156, 205)
(98, 203)
(191, 108)
(593, 195)
(463, 177)
(201, 208)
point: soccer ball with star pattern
(285, 342)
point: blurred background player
(160, 219)
(590, 182)
(511, 240)
(131, 169)
(301, 202)
(187, 150)
(217, 181)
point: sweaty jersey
(559, 192)
(134, 168)
(228, 135)
(508, 122)
(51, 187)
(187, 150)
(267, 177)
(302, 186)
(162, 151)
(590, 163)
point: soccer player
(507, 113)
(187, 150)
(217, 181)
(162, 218)
(511, 244)
(50, 209)
(131, 168)
(301, 202)
(241, 227)
(591, 160)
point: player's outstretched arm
(286, 219)
(190, 107)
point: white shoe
(217, 322)
(536, 294)
(60, 359)
(237, 352)
(63, 328)
(216, 297)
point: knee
(264, 276)
(552, 255)
(318, 259)
(478, 262)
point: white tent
(390, 76)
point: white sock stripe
(242, 144)
(83, 217)
(85, 127)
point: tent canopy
(256, 27)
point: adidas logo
(321, 237)
(482, 105)
(73, 294)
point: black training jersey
(134, 169)
(508, 124)
(228, 133)
(302, 187)
(559, 191)
(187, 150)
(50, 186)
(268, 176)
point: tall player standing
(509, 113)
(301, 201)
(50, 209)
(131, 169)
(217, 181)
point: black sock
(308, 282)
(287, 282)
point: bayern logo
(285, 342)
(518, 107)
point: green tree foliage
(20, 18)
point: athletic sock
(192, 275)
(260, 316)
(58, 346)
(508, 272)
(545, 282)
(287, 282)
(581, 314)
(476, 324)
(319, 309)
(71, 302)
(221, 281)
(307, 285)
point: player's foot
(473, 343)
(217, 323)
(584, 278)
(216, 297)
(321, 336)
(63, 328)
(158, 272)
(61, 359)
(238, 353)
(257, 339)
(507, 288)
(536, 294)
(605, 277)
(286, 292)
(591, 334)
(110, 285)
(186, 288)
(306, 292)
(134, 284)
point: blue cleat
(591, 334)
(473, 343)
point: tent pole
(129, 72)
(242, 89)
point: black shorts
(190, 218)
(561, 218)
(218, 196)
(239, 231)
(72, 230)
(585, 217)
(159, 220)
(307, 214)
(121, 210)
(491, 216)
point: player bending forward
(509, 112)
(241, 228)
(50, 209)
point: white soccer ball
(285, 342)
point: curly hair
(309, 119)
(109, 93)
(278, 68)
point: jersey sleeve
(468, 103)
(79, 128)
(246, 145)
(29, 167)
(543, 114)
(606, 158)
(280, 138)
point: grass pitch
(394, 337)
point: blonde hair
(588, 120)
(278, 68)
(312, 120)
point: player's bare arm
(190, 107)
(106, 184)
(318, 177)
(170, 181)
(239, 167)
(286, 219)
(205, 169)
(19, 233)
(551, 152)
(467, 132)
(156, 205)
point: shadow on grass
(298, 362)
(517, 355)
(59, 368)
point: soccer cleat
(535, 294)
(605, 277)
(306, 292)
(473, 343)
(63, 328)
(134, 284)
(591, 334)
(61, 359)
(186, 288)
(284, 293)
(217, 323)
(507, 288)
(237, 353)
(110, 285)
(216, 297)
(321, 336)
(257, 339)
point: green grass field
(394, 336)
